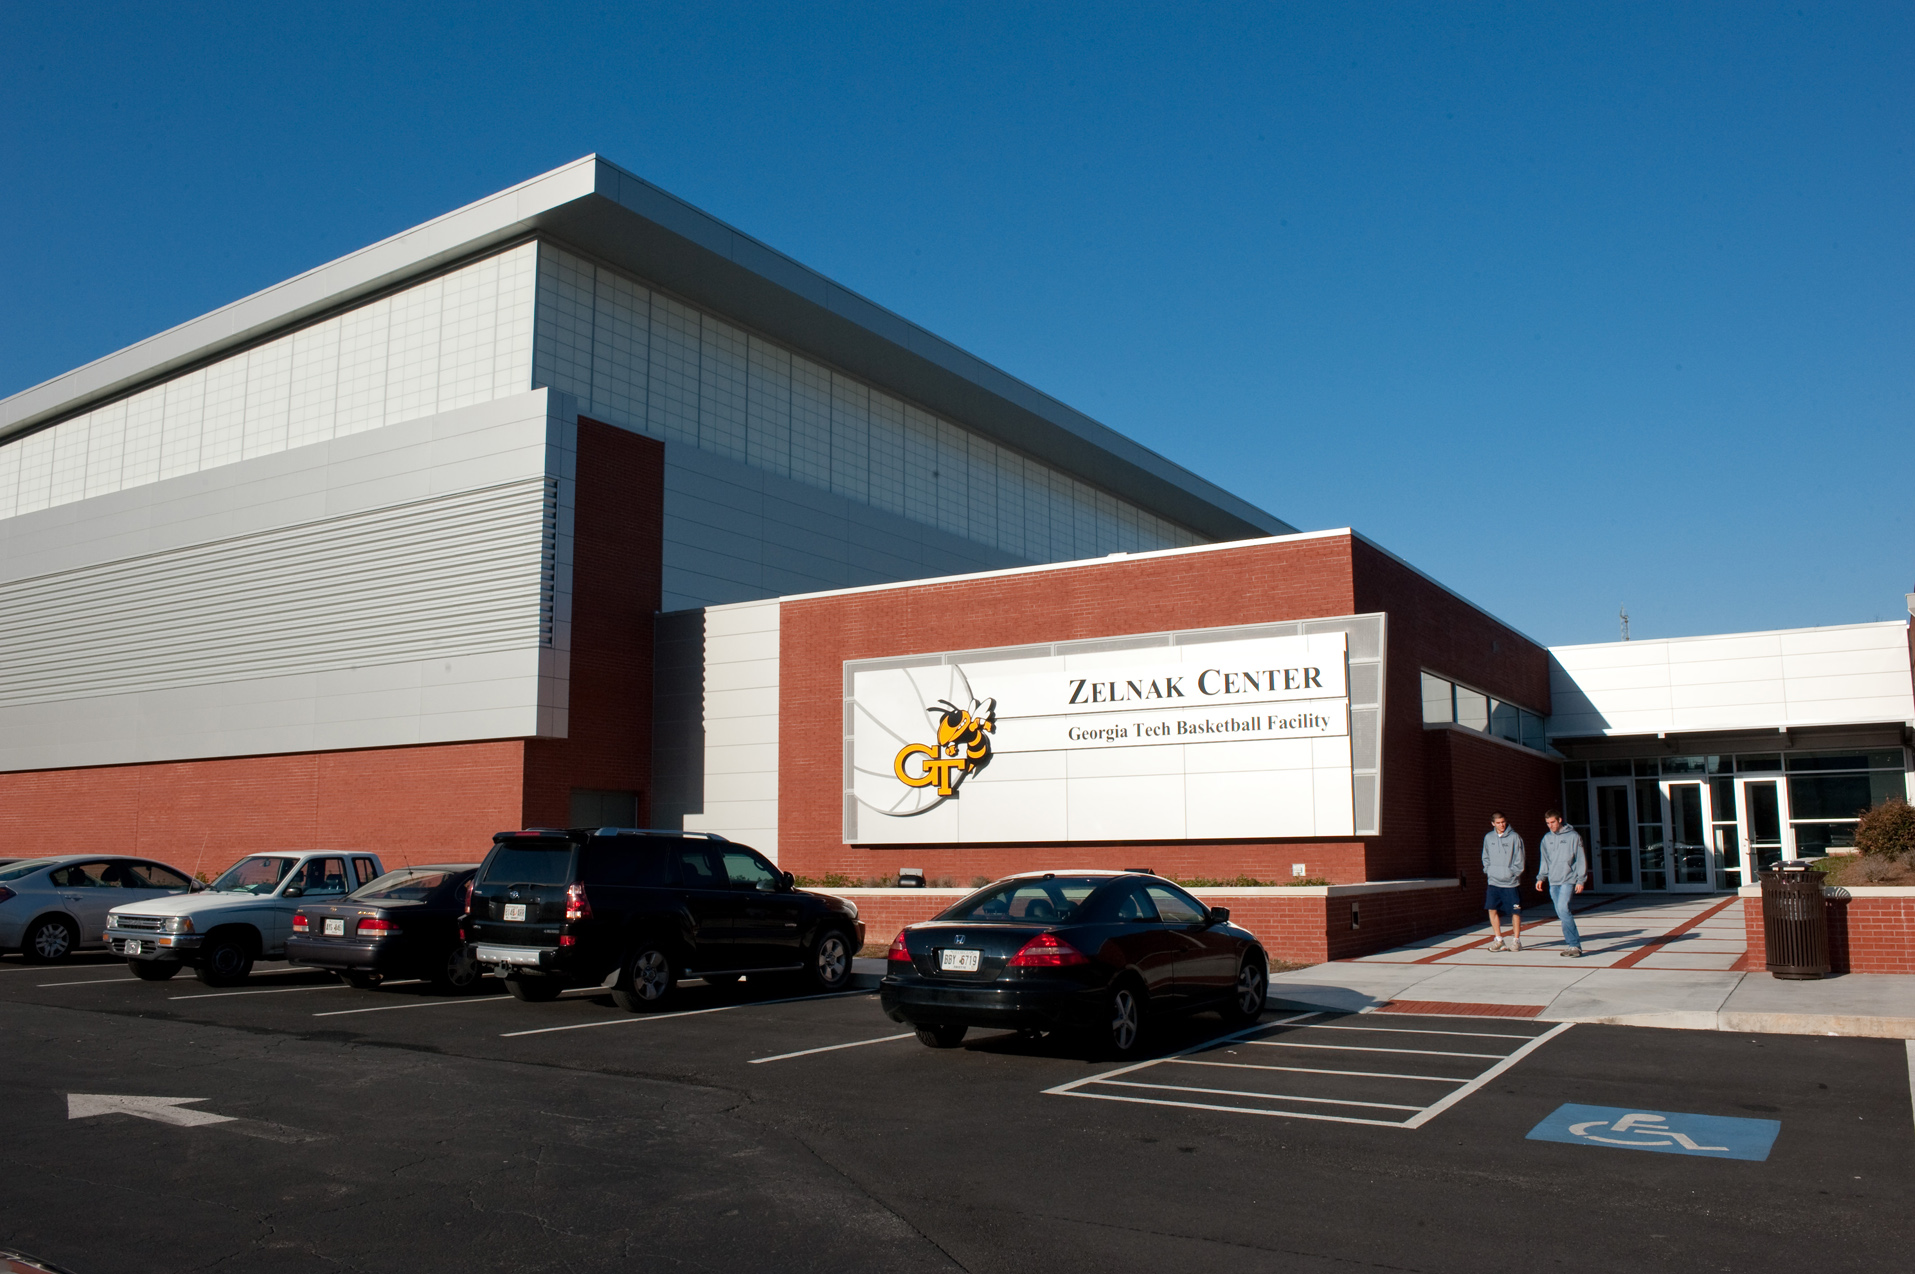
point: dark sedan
(405, 924)
(1102, 953)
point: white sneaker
(1497, 945)
(1515, 944)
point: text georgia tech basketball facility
(577, 506)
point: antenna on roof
(1623, 614)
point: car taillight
(300, 923)
(577, 905)
(6, 894)
(1047, 951)
(898, 950)
(375, 927)
(470, 880)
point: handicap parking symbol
(1664, 1131)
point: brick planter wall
(1302, 925)
(1871, 928)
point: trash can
(1795, 921)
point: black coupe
(1098, 952)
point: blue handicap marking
(1666, 1131)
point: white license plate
(515, 911)
(133, 946)
(335, 928)
(958, 961)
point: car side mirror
(788, 880)
(1219, 914)
(292, 891)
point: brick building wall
(1257, 582)
(1868, 933)
(419, 804)
(1470, 777)
(617, 540)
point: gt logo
(963, 747)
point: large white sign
(1244, 738)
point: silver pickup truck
(245, 915)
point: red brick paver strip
(1650, 948)
(1448, 1008)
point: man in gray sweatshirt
(1561, 861)
(1503, 864)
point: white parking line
(1235, 1092)
(1352, 1048)
(1417, 1121)
(88, 982)
(418, 1004)
(832, 1048)
(273, 990)
(659, 1017)
(1316, 1070)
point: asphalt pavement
(758, 1129)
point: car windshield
(13, 871)
(532, 864)
(254, 876)
(405, 885)
(1050, 900)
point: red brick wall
(1470, 777)
(420, 804)
(1261, 582)
(1866, 935)
(618, 533)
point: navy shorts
(1503, 898)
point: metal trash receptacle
(1795, 922)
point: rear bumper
(544, 959)
(1048, 1006)
(320, 954)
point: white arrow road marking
(163, 1110)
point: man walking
(1503, 864)
(1561, 860)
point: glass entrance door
(1615, 840)
(1762, 822)
(1688, 841)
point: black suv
(636, 910)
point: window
(154, 876)
(321, 876)
(363, 869)
(523, 864)
(1044, 901)
(405, 885)
(631, 862)
(254, 875)
(1829, 790)
(88, 876)
(1175, 907)
(748, 871)
(695, 869)
(1447, 703)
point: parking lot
(760, 1129)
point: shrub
(1888, 829)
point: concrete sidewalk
(1672, 962)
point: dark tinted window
(696, 870)
(1176, 907)
(363, 868)
(13, 871)
(154, 876)
(1126, 904)
(625, 862)
(89, 876)
(409, 885)
(1044, 901)
(523, 864)
(745, 870)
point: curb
(1858, 1025)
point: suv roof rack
(653, 831)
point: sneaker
(1574, 953)
(1497, 945)
(1515, 944)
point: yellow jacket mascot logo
(963, 747)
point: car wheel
(1248, 996)
(49, 941)
(646, 981)
(941, 1036)
(153, 970)
(460, 972)
(1123, 1031)
(828, 963)
(364, 981)
(533, 990)
(226, 959)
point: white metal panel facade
(406, 585)
(738, 778)
(1850, 674)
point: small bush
(1887, 830)
(1216, 882)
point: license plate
(335, 928)
(958, 961)
(133, 946)
(515, 911)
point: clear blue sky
(1571, 306)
